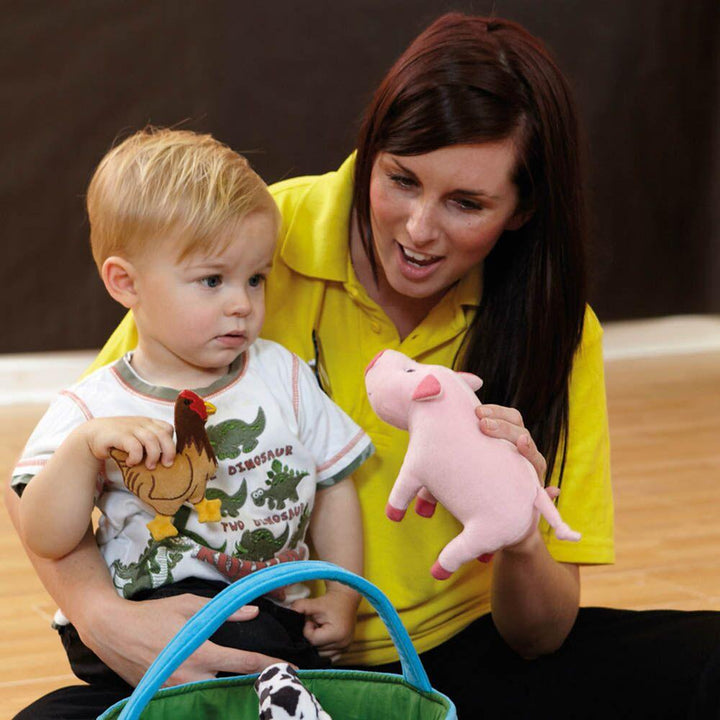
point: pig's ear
(428, 389)
(473, 381)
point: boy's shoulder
(268, 352)
(96, 389)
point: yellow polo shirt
(317, 308)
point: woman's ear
(119, 276)
(518, 219)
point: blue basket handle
(209, 618)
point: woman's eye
(212, 281)
(256, 280)
(402, 181)
(465, 204)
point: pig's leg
(468, 545)
(547, 509)
(425, 503)
(404, 490)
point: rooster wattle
(165, 489)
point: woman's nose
(421, 224)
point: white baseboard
(675, 335)
(37, 377)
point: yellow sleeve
(586, 501)
(123, 339)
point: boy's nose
(239, 304)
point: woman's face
(435, 216)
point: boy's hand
(330, 619)
(138, 436)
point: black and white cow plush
(283, 697)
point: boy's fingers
(134, 449)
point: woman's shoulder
(294, 192)
(592, 329)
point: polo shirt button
(375, 327)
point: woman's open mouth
(417, 265)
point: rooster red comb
(194, 402)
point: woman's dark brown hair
(472, 80)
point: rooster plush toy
(165, 489)
(484, 482)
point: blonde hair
(159, 182)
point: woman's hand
(507, 423)
(534, 599)
(127, 636)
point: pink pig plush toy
(484, 482)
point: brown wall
(286, 81)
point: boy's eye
(212, 281)
(256, 280)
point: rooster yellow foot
(162, 527)
(208, 510)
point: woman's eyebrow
(480, 194)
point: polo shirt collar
(317, 239)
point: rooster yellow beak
(211, 409)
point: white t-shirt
(277, 438)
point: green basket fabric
(344, 695)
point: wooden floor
(665, 429)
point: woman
(456, 235)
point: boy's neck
(171, 371)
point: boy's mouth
(232, 339)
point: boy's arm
(336, 533)
(56, 504)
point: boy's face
(202, 312)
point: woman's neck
(405, 312)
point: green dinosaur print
(231, 437)
(282, 485)
(231, 504)
(260, 544)
(153, 568)
(299, 533)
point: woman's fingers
(528, 449)
(507, 424)
(240, 662)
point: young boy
(183, 233)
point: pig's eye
(410, 370)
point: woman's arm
(535, 599)
(124, 634)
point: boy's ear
(119, 276)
